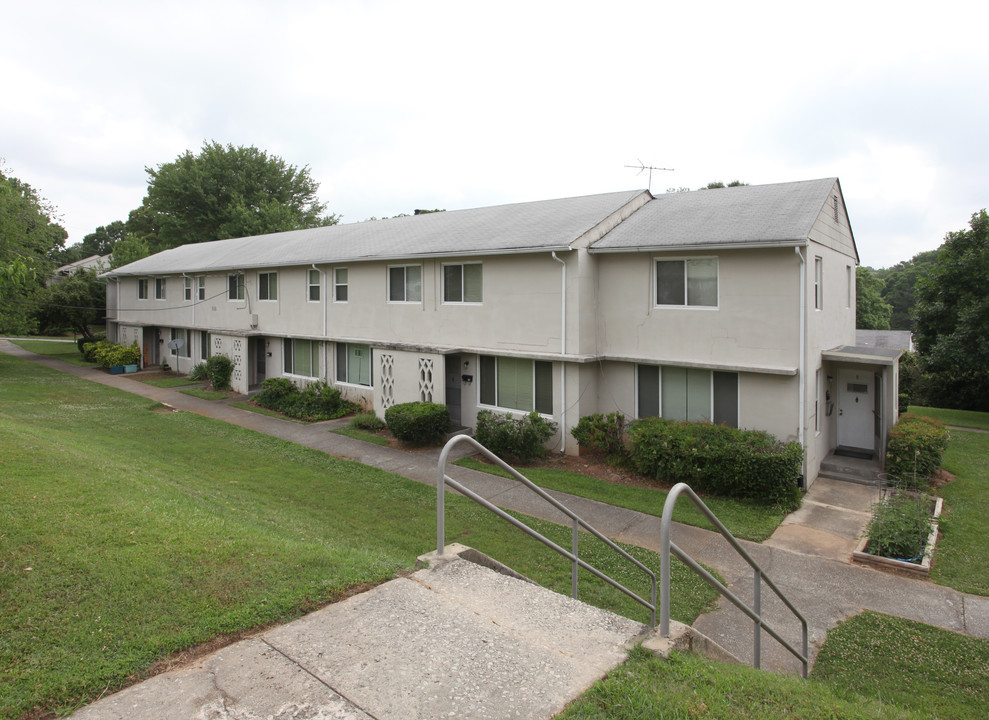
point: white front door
(856, 409)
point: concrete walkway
(808, 556)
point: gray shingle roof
(521, 227)
(772, 214)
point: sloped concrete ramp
(454, 640)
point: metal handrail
(666, 547)
(442, 480)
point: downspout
(801, 379)
(563, 352)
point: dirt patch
(941, 478)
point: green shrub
(914, 450)
(603, 434)
(420, 423)
(198, 372)
(903, 403)
(514, 439)
(108, 354)
(717, 459)
(900, 525)
(317, 401)
(83, 341)
(367, 421)
(219, 368)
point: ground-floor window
(183, 335)
(354, 364)
(517, 384)
(301, 357)
(203, 345)
(679, 393)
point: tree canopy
(225, 192)
(951, 319)
(74, 303)
(900, 280)
(29, 235)
(872, 312)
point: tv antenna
(642, 167)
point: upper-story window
(691, 282)
(818, 283)
(159, 288)
(405, 283)
(462, 283)
(142, 288)
(235, 287)
(313, 285)
(340, 286)
(187, 288)
(267, 286)
(201, 281)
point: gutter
(563, 352)
(801, 372)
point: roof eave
(742, 245)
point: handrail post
(573, 565)
(757, 639)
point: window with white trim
(201, 283)
(462, 283)
(267, 286)
(313, 284)
(301, 357)
(235, 287)
(405, 284)
(340, 286)
(691, 282)
(142, 288)
(187, 288)
(204, 345)
(354, 364)
(680, 393)
(516, 383)
(183, 335)
(159, 288)
(818, 283)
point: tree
(225, 192)
(29, 240)
(951, 319)
(74, 303)
(104, 238)
(871, 311)
(900, 281)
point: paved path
(808, 556)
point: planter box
(116, 369)
(921, 568)
(130, 368)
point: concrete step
(455, 639)
(853, 477)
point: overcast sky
(403, 105)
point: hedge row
(914, 450)
(108, 354)
(317, 401)
(419, 423)
(514, 439)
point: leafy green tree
(900, 280)
(951, 319)
(104, 238)
(29, 240)
(225, 192)
(129, 250)
(74, 303)
(871, 311)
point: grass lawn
(747, 520)
(360, 434)
(250, 407)
(170, 382)
(67, 351)
(116, 552)
(870, 666)
(959, 418)
(206, 394)
(961, 558)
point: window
(405, 284)
(301, 357)
(340, 284)
(354, 364)
(267, 286)
(313, 285)
(690, 283)
(517, 383)
(181, 335)
(462, 283)
(678, 393)
(203, 344)
(187, 290)
(235, 287)
(142, 289)
(159, 288)
(834, 207)
(201, 280)
(818, 283)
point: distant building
(99, 262)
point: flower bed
(920, 565)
